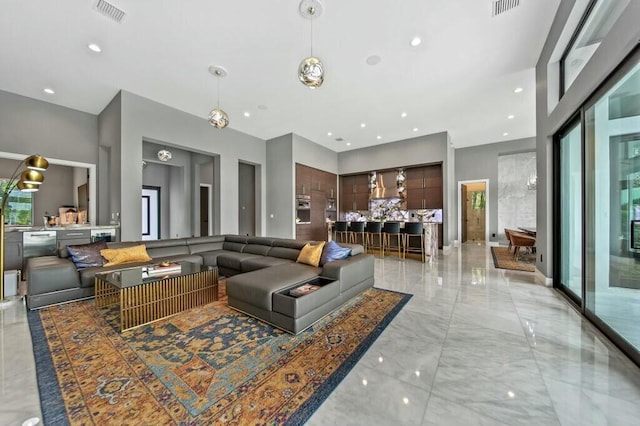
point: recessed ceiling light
(511, 117)
(517, 90)
(378, 137)
(363, 125)
(348, 143)
(329, 134)
(415, 129)
(373, 60)
(505, 134)
(247, 114)
(403, 115)
(416, 41)
(94, 47)
(49, 91)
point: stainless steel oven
(303, 202)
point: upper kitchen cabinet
(303, 179)
(424, 187)
(354, 192)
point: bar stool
(356, 229)
(416, 230)
(341, 230)
(389, 230)
(374, 229)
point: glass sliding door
(612, 159)
(569, 174)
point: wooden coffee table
(143, 299)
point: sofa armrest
(350, 271)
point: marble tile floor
(474, 346)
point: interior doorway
(246, 199)
(205, 210)
(473, 208)
(150, 212)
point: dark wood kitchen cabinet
(319, 185)
(424, 187)
(354, 192)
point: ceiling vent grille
(500, 6)
(110, 11)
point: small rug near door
(208, 365)
(503, 259)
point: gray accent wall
(280, 190)
(109, 137)
(615, 46)
(146, 120)
(313, 155)
(481, 162)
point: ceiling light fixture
(311, 70)
(164, 155)
(518, 90)
(247, 114)
(511, 117)
(49, 91)
(505, 134)
(217, 117)
(348, 143)
(378, 137)
(403, 115)
(329, 134)
(373, 60)
(363, 125)
(415, 129)
(94, 47)
(415, 42)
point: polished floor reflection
(474, 346)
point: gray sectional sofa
(261, 271)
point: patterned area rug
(208, 365)
(503, 259)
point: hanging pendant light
(164, 155)
(311, 70)
(217, 117)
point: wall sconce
(29, 180)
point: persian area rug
(503, 259)
(208, 365)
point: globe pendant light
(164, 155)
(217, 117)
(311, 70)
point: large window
(19, 208)
(598, 18)
(569, 175)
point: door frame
(158, 191)
(486, 210)
(209, 209)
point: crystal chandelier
(217, 117)
(311, 70)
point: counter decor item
(28, 180)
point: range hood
(386, 187)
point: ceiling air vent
(110, 11)
(339, 139)
(500, 6)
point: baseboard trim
(543, 279)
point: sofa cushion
(293, 244)
(311, 253)
(261, 262)
(256, 249)
(232, 260)
(233, 246)
(87, 255)
(333, 251)
(169, 251)
(210, 258)
(125, 255)
(235, 239)
(256, 288)
(200, 244)
(193, 258)
(263, 241)
(284, 253)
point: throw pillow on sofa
(87, 255)
(125, 255)
(311, 253)
(333, 251)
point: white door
(150, 213)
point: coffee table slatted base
(144, 303)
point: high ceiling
(460, 79)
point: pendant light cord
(218, 89)
(311, 37)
